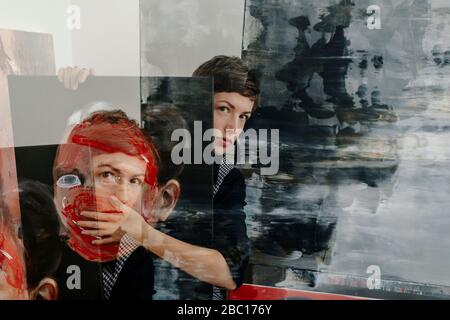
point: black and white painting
(360, 92)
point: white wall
(179, 34)
(44, 16)
(109, 37)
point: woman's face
(119, 175)
(86, 181)
(108, 174)
(231, 112)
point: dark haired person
(236, 92)
(159, 121)
(41, 239)
(223, 265)
(12, 265)
(206, 264)
(42, 247)
(106, 160)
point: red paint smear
(84, 199)
(103, 132)
(14, 268)
(252, 292)
(123, 136)
(151, 171)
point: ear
(47, 289)
(167, 199)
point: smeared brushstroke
(364, 131)
(95, 136)
(11, 263)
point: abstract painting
(50, 112)
(178, 35)
(21, 53)
(170, 104)
(359, 90)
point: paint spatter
(101, 133)
(84, 199)
(10, 260)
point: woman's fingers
(75, 78)
(116, 203)
(67, 77)
(107, 240)
(119, 205)
(61, 75)
(98, 233)
(72, 77)
(84, 74)
(98, 225)
(101, 216)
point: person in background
(105, 161)
(41, 239)
(32, 277)
(236, 92)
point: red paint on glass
(98, 135)
(124, 137)
(10, 259)
(84, 199)
(254, 292)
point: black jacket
(135, 281)
(229, 227)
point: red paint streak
(252, 292)
(84, 199)
(14, 267)
(151, 172)
(102, 132)
(123, 136)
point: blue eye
(68, 181)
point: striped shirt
(224, 170)
(111, 270)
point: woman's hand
(72, 77)
(112, 227)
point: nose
(123, 193)
(232, 124)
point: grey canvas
(364, 121)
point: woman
(223, 265)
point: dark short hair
(159, 120)
(110, 132)
(230, 75)
(40, 231)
